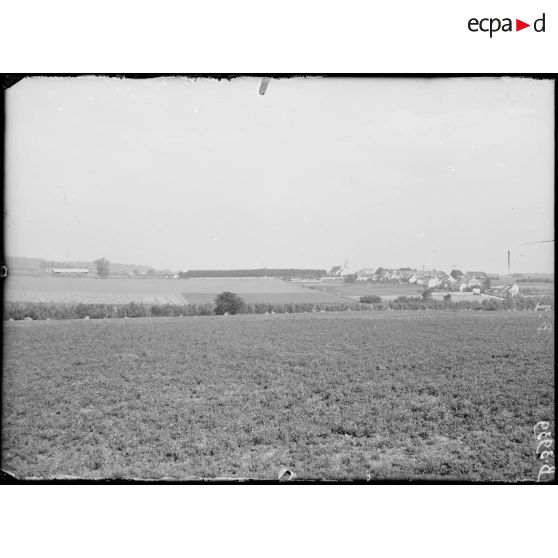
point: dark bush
(206, 309)
(228, 303)
(407, 299)
(63, 312)
(427, 294)
(167, 310)
(15, 312)
(132, 310)
(371, 299)
(491, 304)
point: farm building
(432, 282)
(336, 271)
(508, 289)
(365, 274)
(69, 272)
(394, 275)
(405, 274)
(461, 285)
(383, 275)
(447, 282)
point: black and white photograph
(279, 278)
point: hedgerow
(51, 311)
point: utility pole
(509, 260)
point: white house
(514, 289)
(433, 282)
(365, 274)
(71, 272)
(405, 274)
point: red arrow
(519, 25)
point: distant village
(456, 280)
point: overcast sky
(184, 174)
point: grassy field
(536, 288)
(157, 291)
(332, 396)
(354, 291)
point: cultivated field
(425, 395)
(175, 291)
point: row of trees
(53, 311)
(286, 273)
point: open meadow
(353, 291)
(377, 395)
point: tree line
(288, 273)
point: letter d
(535, 25)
